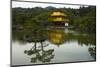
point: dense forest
(30, 19)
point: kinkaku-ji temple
(59, 22)
(59, 19)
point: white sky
(43, 5)
(89, 2)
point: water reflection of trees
(30, 36)
(83, 39)
(40, 54)
(59, 37)
(88, 40)
(92, 51)
(55, 36)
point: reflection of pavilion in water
(38, 51)
(56, 36)
(39, 54)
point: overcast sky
(43, 5)
(89, 2)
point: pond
(60, 45)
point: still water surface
(61, 46)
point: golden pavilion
(59, 19)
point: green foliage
(30, 19)
(85, 21)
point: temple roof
(57, 13)
(59, 19)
